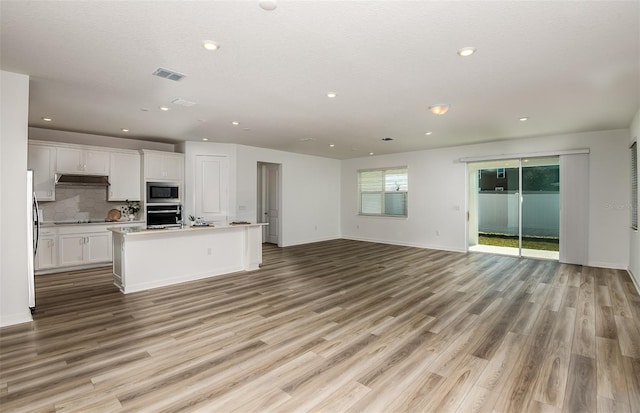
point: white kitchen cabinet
(84, 248)
(76, 245)
(211, 187)
(42, 161)
(98, 247)
(47, 254)
(163, 166)
(124, 177)
(86, 161)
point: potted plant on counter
(131, 209)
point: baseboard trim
(406, 244)
(633, 280)
(609, 265)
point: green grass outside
(543, 244)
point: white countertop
(136, 231)
(56, 224)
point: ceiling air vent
(183, 102)
(168, 74)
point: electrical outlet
(208, 251)
(437, 233)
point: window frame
(383, 191)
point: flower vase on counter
(131, 209)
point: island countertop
(141, 231)
(151, 258)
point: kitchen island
(151, 258)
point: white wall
(437, 193)
(51, 135)
(634, 236)
(310, 191)
(14, 110)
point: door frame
(263, 193)
(473, 212)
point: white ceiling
(569, 66)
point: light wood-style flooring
(336, 326)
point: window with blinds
(383, 192)
(634, 185)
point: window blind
(383, 192)
(574, 209)
(634, 185)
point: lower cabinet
(66, 246)
(84, 248)
(47, 254)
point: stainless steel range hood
(82, 180)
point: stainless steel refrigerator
(33, 233)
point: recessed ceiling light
(428, 133)
(386, 139)
(235, 123)
(331, 95)
(371, 153)
(524, 119)
(466, 51)
(124, 130)
(163, 108)
(246, 129)
(144, 109)
(268, 5)
(210, 45)
(439, 109)
(205, 139)
(47, 119)
(332, 145)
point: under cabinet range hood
(82, 180)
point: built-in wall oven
(164, 216)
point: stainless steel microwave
(163, 192)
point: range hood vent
(82, 180)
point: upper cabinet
(42, 160)
(124, 177)
(85, 161)
(163, 166)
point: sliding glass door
(541, 207)
(514, 207)
(495, 206)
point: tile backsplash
(78, 203)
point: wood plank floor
(336, 326)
